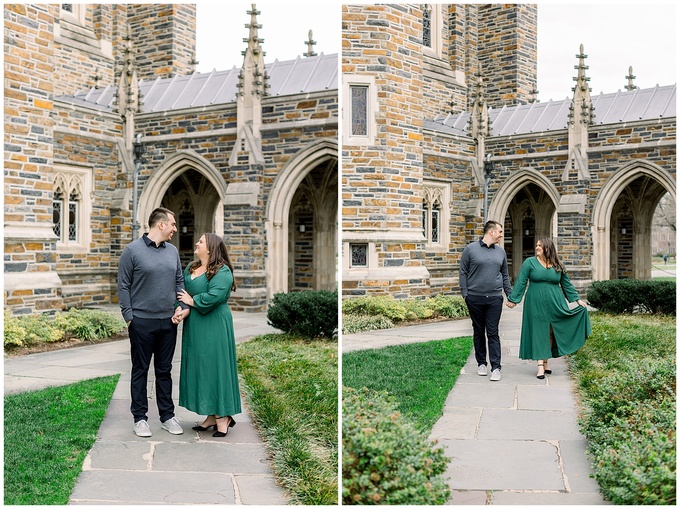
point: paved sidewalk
(121, 468)
(512, 442)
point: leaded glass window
(434, 226)
(359, 109)
(427, 26)
(359, 254)
(56, 213)
(73, 217)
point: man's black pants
(485, 313)
(157, 337)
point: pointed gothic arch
(279, 204)
(171, 169)
(605, 204)
(542, 225)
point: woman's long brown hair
(550, 254)
(217, 258)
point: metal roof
(639, 104)
(302, 75)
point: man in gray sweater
(483, 278)
(149, 278)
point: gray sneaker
(495, 375)
(481, 370)
(142, 429)
(172, 426)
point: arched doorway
(302, 222)
(622, 222)
(191, 187)
(526, 204)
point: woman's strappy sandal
(540, 376)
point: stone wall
(31, 281)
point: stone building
(441, 128)
(250, 152)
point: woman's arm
(217, 293)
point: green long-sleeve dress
(208, 382)
(545, 307)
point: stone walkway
(121, 468)
(512, 442)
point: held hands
(510, 304)
(180, 315)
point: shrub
(89, 324)
(385, 305)
(352, 324)
(385, 458)
(85, 324)
(311, 314)
(14, 333)
(451, 306)
(28, 330)
(630, 295)
(630, 425)
(399, 310)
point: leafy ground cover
(626, 378)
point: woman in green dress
(550, 328)
(208, 381)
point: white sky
(285, 30)
(614, 38)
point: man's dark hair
(491, 225)
(159, 214)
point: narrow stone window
(56, 212)
(359, 255)
(71, 208)
(73, 204)
(434, 226)
(427, 25)
(436, 205)
(359, 108)
(67, 8)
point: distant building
(440, 124)
(249, 152)
(663, 228)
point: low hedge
(385, 458)
(630, 424)
(85, 324)
(312, 314)
(399, 310)
(620, 296)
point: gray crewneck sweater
(484, 271)
(149, 277)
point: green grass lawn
(48, 433)
(626, 378)
(419, 375)
(292, 390)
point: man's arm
(125, 271)
(179, 282)
(506, 278)
(463, 272)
